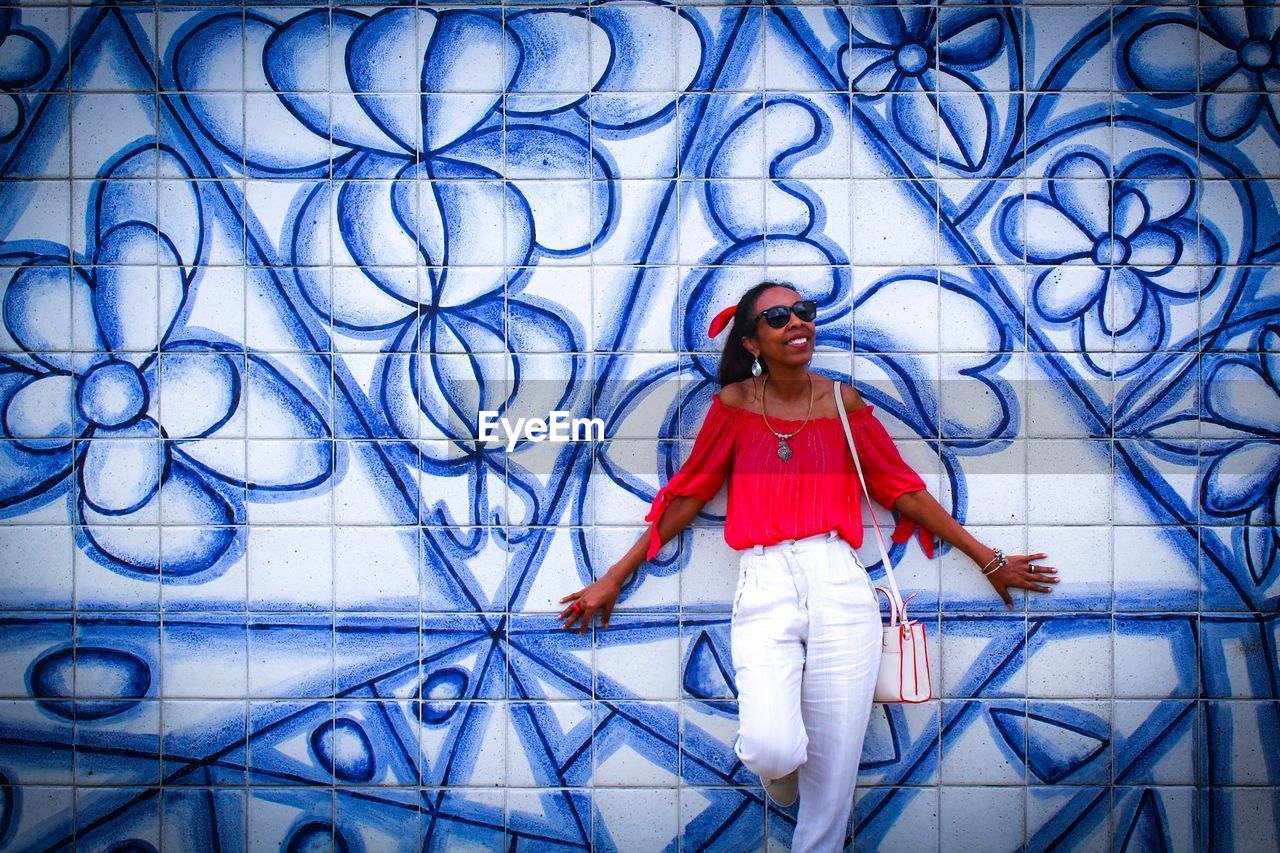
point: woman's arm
(922, 508)
(599, 597)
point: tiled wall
(260, 267)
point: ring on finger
(1031, 569)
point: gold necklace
(784, 449)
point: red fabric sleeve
(888, 476)
(702, 473)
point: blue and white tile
(298, 816)
(554, 816)
(461, 660)
(636, 818)
(915, 818)
(394, 820)
(1003, 810)
(22, 547)
(290, 568)
(1083, 558)
(1081, 164)
(1149, 472)
(538, 581)
(1146, 817)
(1227, 671)
(714, 817)
(375, 568)
(1154, 656)
(983, 654)
(708, 733)
(192, 729)
(638, 655)
(204, 657)
(1069, 656)
(135, 813)
(1246, 816)
(48, 756)
(642, 40)
(380, 653)
(1237, 733)
(1156, 741)
(742, 27)
(618, 325)
(471, 746)
(290, 656)
(546, 661)
(984, 742)
(895, 222)
(1069, 481)
(1152, 570)
(473, 816)
(45, 810)
(636, 743)
(1229, 571)
(371, 743)
(1069, 743)
(122, 749)
(548, 743)
(189, 817)
(901, 744)
(1075, 816)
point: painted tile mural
(261, 266)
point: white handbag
(904, 657)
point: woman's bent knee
(771, 755)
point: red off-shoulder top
(816, 491)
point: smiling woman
(805, 631)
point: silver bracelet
(999, 559)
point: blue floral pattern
(905, 50)
(87, 405)
(1239, 65)
(1138, 234)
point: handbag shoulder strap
(897, 606)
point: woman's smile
(799, 342)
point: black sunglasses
(779, 315)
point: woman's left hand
(1022, 572)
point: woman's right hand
(598, 597)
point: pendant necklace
(784, 449)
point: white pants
(806, 648)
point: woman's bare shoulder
(850, 397)
(736, 394)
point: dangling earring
(755, 367)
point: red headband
(721, 320)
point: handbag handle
(897, 607)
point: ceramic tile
(1004, 807)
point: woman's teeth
(798, 343)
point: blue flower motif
(25, 58)
(1242, 403)
(85, 401)
(469, 178)
(1135, 236)
(1239, 64)
(908, 50)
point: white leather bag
(904, 657)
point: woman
(805, 631)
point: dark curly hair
(735, 359)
